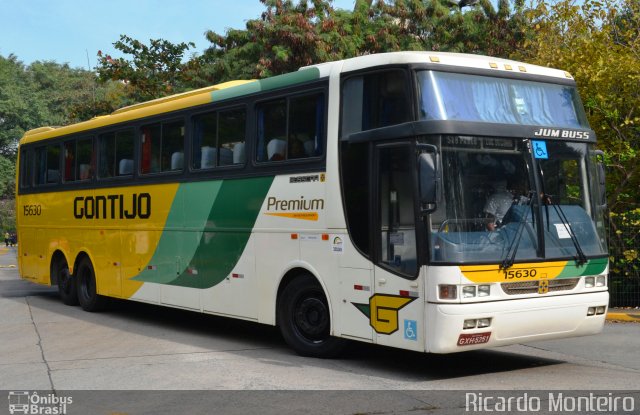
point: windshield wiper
(510, 258)
(580, 257)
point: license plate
(473, 338)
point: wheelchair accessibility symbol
(410, 330)
(540, 149)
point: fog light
(589, 282)
(600, 309)
(469, 291)
(601, 281)
(469, 324)
(484, 290)
(448, 292)
(484, 322)
(591, 311)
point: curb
(621, 316)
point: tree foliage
(598, 42)
(155, 70)
(291, 34)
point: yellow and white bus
(428, 201)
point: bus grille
(531, 287)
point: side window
(162, 147)
(69, 157)
(231, 133)
(356, 192)
(219, 139)
(397, 219)
(26, 168)
(115, 154)
(291, 128)
(84, 159)
(272, 131)
(375, 100)
(48, 164)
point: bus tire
(66, 283)
(88, 296)
(304, 319)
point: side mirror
(602, 184)
(428, 178)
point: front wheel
(304, 319)
(87, 291)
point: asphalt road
(45, 345)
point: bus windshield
(490, 208)
(498, 100)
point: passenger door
(397, 306)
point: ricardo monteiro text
(135, 206)
(556, 402)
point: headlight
(469, 324)
(601, 281)
(469, 291)
(484, 322)
(484, 290)
(589, 282)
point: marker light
(469, 291)
(448, 292)
(484, 290)
(591, 311)
(589, 282)
(601, 281)
(469, 324)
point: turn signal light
(448, 292)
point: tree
(598, 42)
(289, 35)
(153, 71)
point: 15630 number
(519, 274)
(32, 210)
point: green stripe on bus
(594, 266)
(280, 81)
(190, 209)
(204, 257)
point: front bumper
(514, 321)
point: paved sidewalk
(624, 314)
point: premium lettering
(136, 206)
(295, 204)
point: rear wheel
(304, 319)
(66, 283)
(86, 283)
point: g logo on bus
(543, 286)
(382, 311)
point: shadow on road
(199, 330)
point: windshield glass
(568, 178)
(462, 97)
(490, 205)
(486, 199)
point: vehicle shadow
(207, 332)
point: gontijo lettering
(113, 207)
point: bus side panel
(237, 295)
(106, 256)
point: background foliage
(597, 41)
